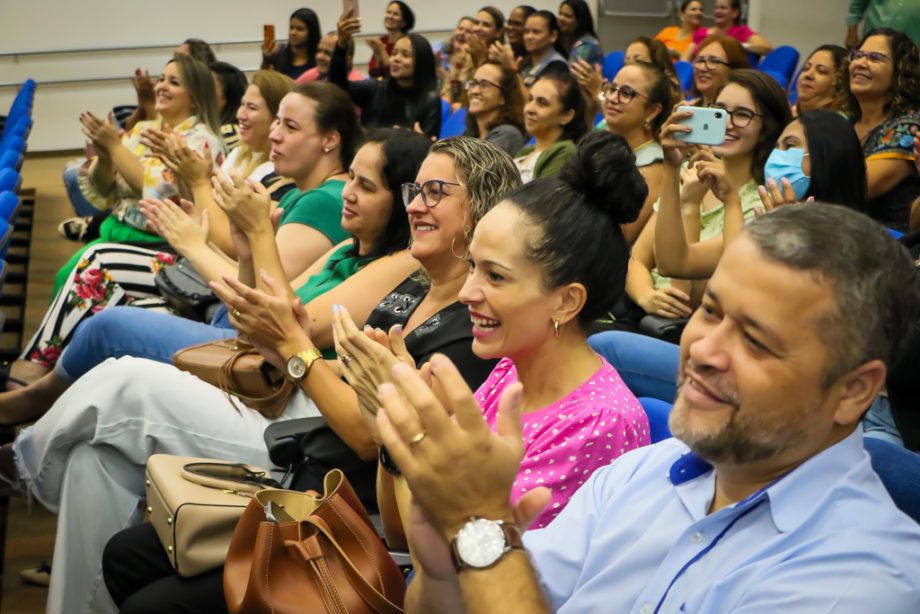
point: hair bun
(603, 168)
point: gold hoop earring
(457, 256)
(556, 326)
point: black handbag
(186, 291)
(309, 449)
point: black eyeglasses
(876, 57)
(482, 84)
(432, 191)
(710, 61)
(624, 93)
(741, 117)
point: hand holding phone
(268, 40)
(707, 126)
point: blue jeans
(130, 331)
(81, 206)
(647, 365)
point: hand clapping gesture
(270, 320)
(183, 227)
(247, 204)
(104, 134)
(181, 159)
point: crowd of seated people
(482, 313)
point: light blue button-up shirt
(637, 538)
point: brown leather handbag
(298, 552)
(238, 369)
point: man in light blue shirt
(765, 501)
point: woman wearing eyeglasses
(555, 116)
(702, 200)
(496, 109)
(717, 56)
(636, 103)
(882, 94)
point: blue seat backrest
(445, 113)
(657, 412)
(783, 60)
(455, 124)
(613, 62)
(899, 470)
(684, 75)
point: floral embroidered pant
(109, 274)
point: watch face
(481, 542)
(296, 367)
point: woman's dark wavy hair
(334, 111)
(598, 189)
(234, 83)
(403, 152)
(407, 15)
(774, 113)
(661, 59)
(200, 50)
(584, 21)
(571, 99)
(838, 56)
(314, 33)
(512, 112)
(838, 169)
(905, 78)
(552, 24)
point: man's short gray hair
(874, 279)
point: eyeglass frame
(469, 83)
(616, 88)
(420, 190)
(731, 114)
(876, 57)
(709, 60)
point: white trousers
(85, 458)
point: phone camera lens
(718, 115)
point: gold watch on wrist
(300, 363)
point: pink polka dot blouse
(568, 440)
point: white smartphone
(707, 126)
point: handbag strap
(368, 592)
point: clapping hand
(104, 134)
(590, 80)
(181, 159)
(182, 226)
(248, 204)
(269, 319)
(455, 466)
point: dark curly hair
(512, 112)
(905, 79)
(598, 189)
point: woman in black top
(299, 54)
(408, 97)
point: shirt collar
(792, 497)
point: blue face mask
(788, 164)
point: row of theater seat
(779, 64)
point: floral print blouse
(159, 181)
(893, 140)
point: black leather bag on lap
(186, 291)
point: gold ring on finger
(417, 438)
(236, 313)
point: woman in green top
(555, 117)
(356, 272)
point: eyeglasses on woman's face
(432, 192)
(624, 93)
(874, 57)
(709, 61)
(741, 116)
(484, 85)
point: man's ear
(859, 389)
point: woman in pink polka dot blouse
(544, 263)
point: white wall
(51, 25)
(235, 28)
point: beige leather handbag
(194, 505)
